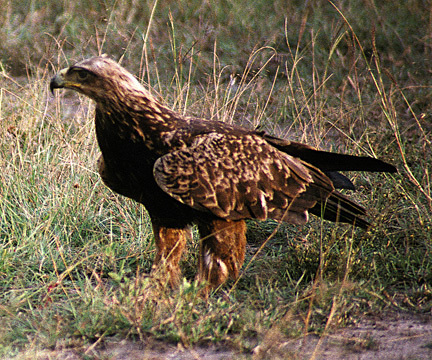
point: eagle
(190, 171)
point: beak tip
(57, 82)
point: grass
(75, 258)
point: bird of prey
(187, 170)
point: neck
(140, 121)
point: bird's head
(99, 78)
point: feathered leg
(170, 243)
(222, 250)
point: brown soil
(395, 337)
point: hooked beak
(58, 82)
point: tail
(334, 207)
(338, 208)
(330, 163)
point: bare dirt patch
(394, 336)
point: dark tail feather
(340, 181)
(328, 161)
(338, 208)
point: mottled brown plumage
(186, 170)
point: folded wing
(238, 177)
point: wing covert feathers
(242, 177)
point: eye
(82, 74)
